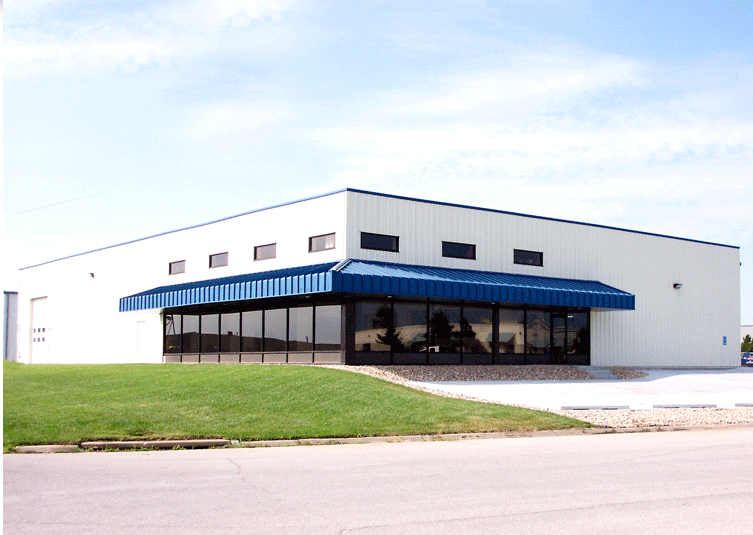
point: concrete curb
(48, 448)
(154, 444)
(101, 445)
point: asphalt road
(661, 482)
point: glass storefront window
(210, 333)
(276, 329)
(190, 338)
(578, 336)
(538, 332)
(476, 330)
(230, 333)
(511, 331)
(328, 321)
(444, 329)
(374, 327)
(532, 336)
(301, 329)
(410, 328)
(251, 326)
(172, 333)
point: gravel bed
(611, 418)
(533, 372)
(664, 417)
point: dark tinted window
(276, 330)
(511, 331)
(172, 333)
(476, 330)
(321, 243)
(538, 333)
(210, 333)
(230, 332)
(528, 258)
(265, 252)
(218, 260)
(327, 323)
(301, 329)
(190, 338)
(379, 242)
(458, 250)
(177, 267)
(251, 323)
(444, 329)
(374, 327)
(578, 336)
(410, 332)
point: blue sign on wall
(724, 340)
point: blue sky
(125, 119)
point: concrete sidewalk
(661, 388)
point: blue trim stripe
(382, 279)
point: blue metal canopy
(381, 278)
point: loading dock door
(40, 336)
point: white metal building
(361, 277)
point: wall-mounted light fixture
(677, 286)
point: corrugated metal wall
(670, 327)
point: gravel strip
(533, 372)
(612, 418)
(664, 417)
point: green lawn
(66, 404)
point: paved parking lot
(661, 388)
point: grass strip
(67, 404)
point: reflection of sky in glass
(230, 324)
(252, 324)
(328, 324)
(275, 324)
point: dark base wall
(334, 357)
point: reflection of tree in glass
(383, 320)
(442, 332)
(580, 344)
(471, 343)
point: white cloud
(105, 41)
(231, 118)
(242, 13)
(536, 80)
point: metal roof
(381, 278)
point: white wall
(84, 323)
(669, 327)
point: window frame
(375, 247)
(325, 248)
(179, 265)
(447, 249)
(218, 256)
(516, 260)
(265, 247)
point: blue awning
(382, 279)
